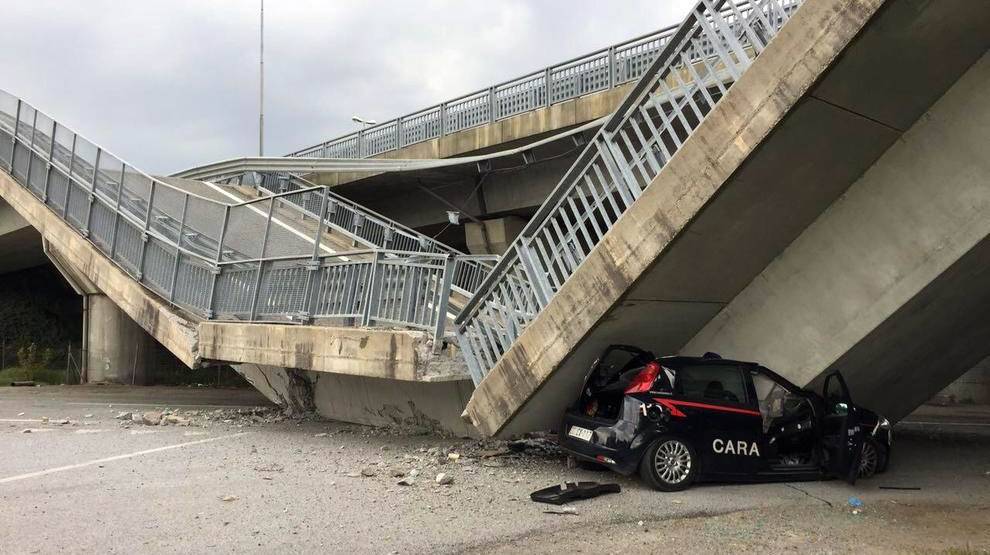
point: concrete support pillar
(118, 350)
(493, 236)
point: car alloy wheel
(672, 462)
(869, 461)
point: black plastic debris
(572, 491)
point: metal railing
(600, 70)
(698, 64)
(214, 259)
(597, 71)
(365, 227)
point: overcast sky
(168, 84)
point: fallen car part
(572, 491)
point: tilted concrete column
(493, 236)
(119, 350)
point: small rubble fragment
(566, 510)
(368, 472)
(228, 498)
(151, 418)
(444, 479)
(123, 416)
(407, 481)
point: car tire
(669, 464)
(871, 461)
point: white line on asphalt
(21, 420)
(258, 211)
(945, 423)
(114, 458)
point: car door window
(778, 405)
(719, 383)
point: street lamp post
(365, 123)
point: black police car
(681, 419)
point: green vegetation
(37, 375)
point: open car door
(842, 435)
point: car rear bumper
(614, 445)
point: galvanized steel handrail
(672, 98)
(600, 70)
(363, 225)
(218, 260)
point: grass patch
(37, 375)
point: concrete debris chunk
(408, 481)
(175, 420)
(397, 473)
(565, 510)
(26, 431)
(229, 498)
(151, 418)
(123, 416)
(453, 456)
(444, 479)
(368, 472)
(136, 417)
(321, 434)
(413, 473)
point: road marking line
(114, 458)
(945, 423)
(264, 216)
(21, 420)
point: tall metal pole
(261, 92)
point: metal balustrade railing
(220, 260)
(697, 65)
(365, 227)
(600, 70)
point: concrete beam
(889, 285)
(175, 331)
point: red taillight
(644, 380)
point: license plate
(580, 433)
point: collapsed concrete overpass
(710, 213)
(791, 226)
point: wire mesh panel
(234, 290)
(420, 127)
(283, 289)
(128, 246)
(468, 112)
(342, 288)
(101, 224)
(520, 96)
(193, 282)
(58, 184)
(159, 261)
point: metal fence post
(612, 77)
(48, 166)
(92, 194)
(256, 293)
(116, 210)
(443, 303)
(310, 297)
(178, 250)
(68, 178)
(374, 293)
(144, 231)
(491, 104)
(211, 302)
(13, 136)
(548, 85)
(398, 133)
(537, 278)
(443, 120)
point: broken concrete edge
(176, 332)
(374, 353)
(798, 56)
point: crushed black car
(678, 420)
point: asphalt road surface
(226, 481)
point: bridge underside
(842, 83)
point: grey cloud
(170, 84)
